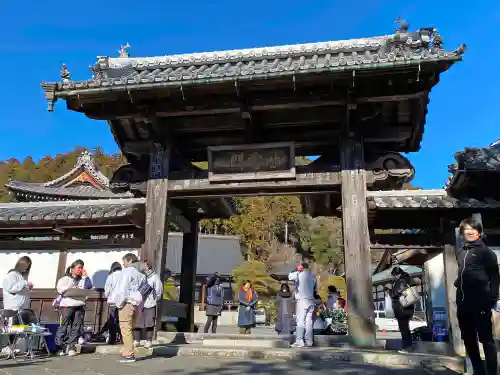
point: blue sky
(38, 36)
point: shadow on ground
(292, 367)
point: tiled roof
(64, 192)
(63, 186)
(68, 210)
(431, 199)
(486, 158)
(402, 48)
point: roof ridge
(266, 50)
(86, 161)
(96, 202)
(403, 193)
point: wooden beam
(361, 321)
(382, 247)
(155, 247)
(450, 275)
(305, 183)
(188, 272)
(114, 243)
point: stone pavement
(91, 364)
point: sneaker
(62, 353)
(72, 353)
(148, 344)
(137, 344)
(297, 345)
(128, 359)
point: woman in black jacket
(400, 282)
(215, 302)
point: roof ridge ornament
(403, 26)
(65, 74)
(123, 51)
(100, 68)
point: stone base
(374, 357)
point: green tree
(256, 272)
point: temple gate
(356, 104)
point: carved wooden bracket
(129, 178)
(391, 169)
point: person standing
(145, 317)
(71, 303)
(285, 307)
(246, 312)
(215, 302)
(16, 295)
(112, 325)
(126, 296)
(400, 282)
(305, 291)
(477, 286)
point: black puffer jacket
(478, 279)
(399, 285)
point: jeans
(211, 321)
(304, 315)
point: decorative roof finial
(85, 158)
(65, 74)
(403, 25)
(124, 50)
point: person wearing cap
(305, 291)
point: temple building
(81, 195)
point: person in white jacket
(305, 291)
(16, 294)
(71, 304)
(145, 317)
(127, 296)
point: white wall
(97, 263)
(43, 270)
(434, 270)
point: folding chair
(31, 336)
(12, 337)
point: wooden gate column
(154, 249)
(361, 322)
(188, 271)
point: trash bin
(51, 340)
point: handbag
(409, 297)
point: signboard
(251, 162)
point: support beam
(83, 244)
(451, 274)
(361, 321)
(188, 273)
(156, 232)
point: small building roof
(83, 181)
(54, 212)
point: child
(339, 318)
(333, 296)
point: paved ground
(107, 365)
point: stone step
(254, 340)
(375, 357)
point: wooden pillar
(154, 249)
(203, 296)
(451, 274)
(361, 322)
(188, 272)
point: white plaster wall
(434, 269)
(98, 262)
(43, 270)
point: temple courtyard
(103, 365)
